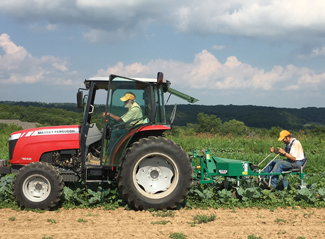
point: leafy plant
(308, 195)
(12, 218)
(72, 196)
(99, 195)
(6, 195)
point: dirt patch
(120, 223)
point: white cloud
(291, 20)
(17, 66)
(318, 52)
(206, 72)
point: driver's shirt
(132, 115)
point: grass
(92, 215)
(164, 213)
(198, 219)
(308, 214)
(280, 220)
(253, 237)
(177, 235)
(161, 222)
(51, 220)
(82, 220)
(12, 219)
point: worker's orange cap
(283, 134)
(128, 96)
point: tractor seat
(302, 167)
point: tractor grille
(12, 144)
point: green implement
(205, 167)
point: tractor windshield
(128, 108)
(130, 101)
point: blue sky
(256, 52)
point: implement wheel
(156, 173)
(38, 185)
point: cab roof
(123, 80)
(146, 80)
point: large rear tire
(156, 173)
(38, 185)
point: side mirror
(80, 100)
(160, 77)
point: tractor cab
(110, 126)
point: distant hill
(24, 125)
(252, 116)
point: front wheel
(156, 173)
(38, 185)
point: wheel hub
(154, 174)
(36, 188)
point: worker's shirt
(295, 149)
(134, 115)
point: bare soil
(121, 223)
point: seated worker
(294, 154)
(132, 117)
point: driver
(132, 117)
(133, 113)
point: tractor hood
(26, 146)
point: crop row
(83, 195)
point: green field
(252, 148)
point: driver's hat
(128, 96)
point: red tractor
(151, 171)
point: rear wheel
(38, 185)
(156, 173)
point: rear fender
(132, 135)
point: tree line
(215, 117)
(253, 116)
